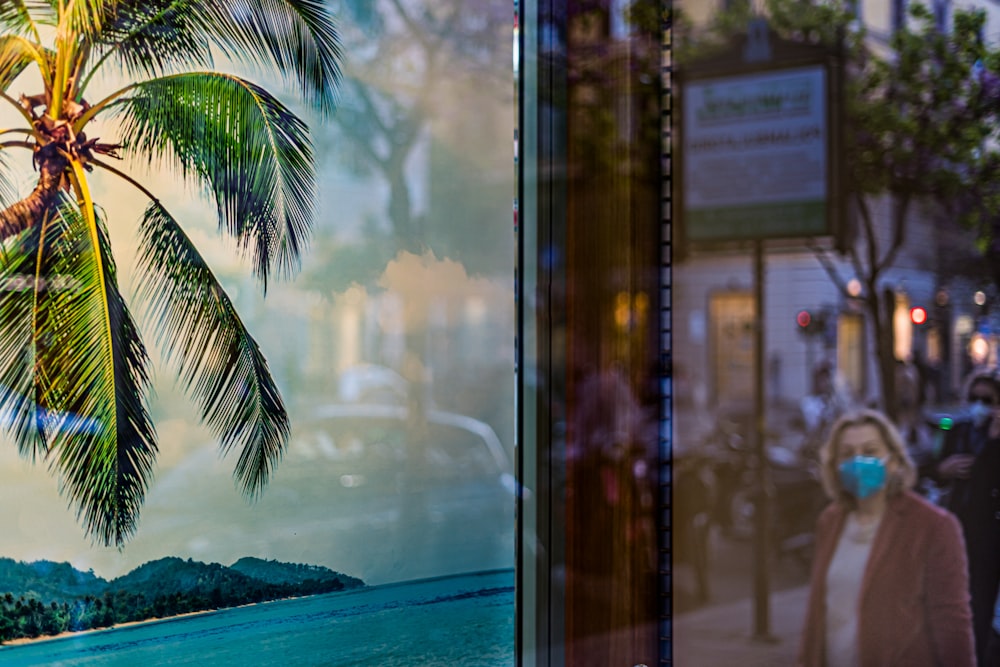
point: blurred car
(369, 489)
(431, 493)
(371, 383)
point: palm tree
(74, 371)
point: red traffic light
(918, 315)
(811, 323)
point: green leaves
(23, 413)
(77, 371)
(154, 37)
(16, 53)
(74, 373)
(252, 154)
(292, 38)
(21, 17)
(295, 36)
(219, 363)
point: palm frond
(8, 187)
(296, 37)
(248, 149)
(218, 361)
(293, 39)
(85, 17)
(16, 53)
(90, 379)
(111, 512)
(22, 17)
(21, 410)
(149, 38)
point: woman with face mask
(889, 582)
(968, 467)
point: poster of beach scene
(257, 332)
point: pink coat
(914, 608)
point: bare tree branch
(870, 240)
(898, 236)
(370, 107)
(416, 31)
(824, 259)
(362, 143)
(859, 270)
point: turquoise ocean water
(464, 620)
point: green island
(44, 598)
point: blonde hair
(902, 479)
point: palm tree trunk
(29, 211)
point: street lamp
(979, 349)
(854, 288)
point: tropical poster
(256, 310)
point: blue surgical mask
(862, 476)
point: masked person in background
(968, 466)
(889, 584)
(917, 434)
(821, 408)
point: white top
(843, 587)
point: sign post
(759, 132)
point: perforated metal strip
(666, 340)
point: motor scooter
(793, 484)
(693, 493)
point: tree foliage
(50, 598)
(407, 58)
(74, 367)
(920, 130)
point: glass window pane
(591, 382)
(827, 280)
(391, 342)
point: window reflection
(592, 318)
(409, 281)
(880, 310)
(393, 347)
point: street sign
(754, 151)
(758, 141)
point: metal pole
(810, 362)
(762, 610)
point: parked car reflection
(367, 489)
(431, 487)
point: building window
(942, 10)
(898, 14)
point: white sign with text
(755, 155)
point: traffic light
(918, 315)
(810, 323)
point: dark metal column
(762, 510)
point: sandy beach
(146, 621)
(77, 633)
